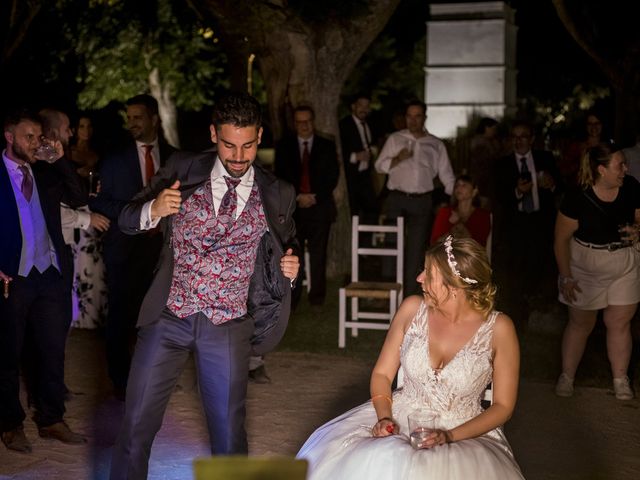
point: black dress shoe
(60, 431)
(259, 375)
(16, 440)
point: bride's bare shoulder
(408, 309)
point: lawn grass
(315, 330)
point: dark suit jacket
(120, 181)
(506, 176)
(269, 291)
(352, 143)
(56, 182)
(323, 170)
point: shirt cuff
(146, 223)
(83, 221)
(352, 158)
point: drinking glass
(421, 424)
(47, 150)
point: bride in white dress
(450, 344)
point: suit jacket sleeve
(129, 217)
(74, 192)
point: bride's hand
(385, 427)
(437, 437)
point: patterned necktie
(227, 210)
(527, 198)
(27, 182)
(305, 176)
(149, 168)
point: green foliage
(556, 117)
(120, 42)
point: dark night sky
(549, 62)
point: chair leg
(342, 317)
(393, 305)
(354, 315)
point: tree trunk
(303, 61)
(17, 16)
(166, 108)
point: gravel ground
(589, 436)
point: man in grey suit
(222, 289)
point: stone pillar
(471, 64)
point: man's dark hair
(238, 109)
(524, 124)
(417, 103)
(484, 123)
(150, 103)
(20, 115)
(305, 108)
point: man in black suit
(309, 162)
(129, 261)
(223, 286)
(527, 186)
(35, 269)
(357, 156)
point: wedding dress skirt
(345, 449)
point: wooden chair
(249, 468)
(356, 290)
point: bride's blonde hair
(472, 264)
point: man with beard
(129, 261)
(35, 270)
(223, 286)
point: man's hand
(289, 264)
(306, 200)
(524, 186)
(167, 202)
(401, 156)
(5, 279)
(363, 157)
(545, 180)
(99, 222)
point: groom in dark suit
(309, 162)
(223, 286)
(129, 260)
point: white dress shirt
(365, 133)
(218, 189)
(416, 174)
(531, 165)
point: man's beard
(21, 154)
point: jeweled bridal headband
(451, 260)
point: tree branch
(610, 68)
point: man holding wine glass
(35, 268)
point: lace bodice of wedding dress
(455, 390)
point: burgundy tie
(305, 177)
(149, 168)
(227, 210)
(27, 182)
